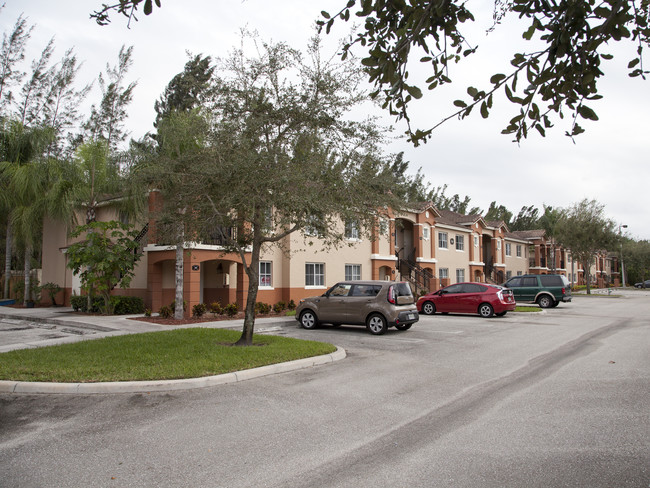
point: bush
(231, 309)
(52, 290)
(279, 307)
(216, 308)
(199, 310)
(166, 312)
(147, 312)
(123, 305)
(80, 304)
(262, 308)
(173, 306)
(292, 305)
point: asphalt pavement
(26, 328)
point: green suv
(545, 290)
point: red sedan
(481, 298)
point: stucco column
(191, 282)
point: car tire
(376, 324)
(485, 310)
(545, 301)
(555, 303)
(403, 326)
(501, 314)
(308, 320)
(428, 308)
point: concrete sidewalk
(24, 328)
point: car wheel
(501, 314)
(485, 310)
(545, 301)
(428, 308)
(376, 324)
(555, 303)
(403, 326)
(308, 320)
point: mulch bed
(199, 320)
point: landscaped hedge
(121, 305)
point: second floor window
(442, 240)
(352, 229)
(443, 273)
(460, 243)
(508, 249)
(518, 250)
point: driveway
(552, 399)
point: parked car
(643, 284)
(481, 298)
(545, 290)
(376, 304)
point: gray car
(376, 304)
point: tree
(550, 221)
(106, 121)
(454, 203)
(544, 83)
(526, 219)
(187, 90)
(105, 259)
(585, 231)
(283, 156)
(636, 255)
(12, 54)
(498, 213)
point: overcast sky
(609, 163)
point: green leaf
(633, 63)
(472, 92)
(586, 113)
(148, 7)
(414, 91)
(497, 78)
(484, 110)
(325, 14)
(460, 103)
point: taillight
(391, 294)
(563, 291)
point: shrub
(52, 290)
(231, 309)
(199, 310)
(80, 304)
(166, 312)
(123, 305)
(262, 308)
(216, 308)
(279, 307)
(173, 306)
(147, 312)
(292, 305)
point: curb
(55, 321)
(29, 387)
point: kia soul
(376, 304)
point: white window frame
(508, 249)
(460, 275)
(518, 250)
(443, 273)
(442, 240)
(460, 242)
(352, 272)
(476, 241)
(317, 275)
(425, 232)
(352, 230)
(268, 283)
(498, 244)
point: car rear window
(403, 290)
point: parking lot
(557, 398)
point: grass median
(174, 354)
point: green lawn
(174, 354)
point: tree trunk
(179, 309)
(252, 271)
(28, 272)
(8, 258)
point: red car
(481, 298)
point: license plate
(411, 316)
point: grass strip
(523, 308)
(174, 354)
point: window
(265, 273)
(508, 249)
(519, 273)
(498, 244)
(314, 274)
(352, 272)
(352, 229)
(442, 240)
(475, 241)
(508, 275)
(443, 273)
(383, 227)
(518, 250)
(460, 243)
(425, 232)
(460, 275)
